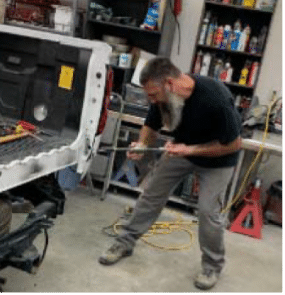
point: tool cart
(54, 92)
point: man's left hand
(178, 149)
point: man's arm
(147, 136)
(211, 149)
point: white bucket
(63, 18)
(2, 10)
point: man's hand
(132, 154)
(179, 149)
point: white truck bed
(26, 159)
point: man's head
(158, 77)
(168, 87)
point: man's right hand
(132, 154)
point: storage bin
(135, 95)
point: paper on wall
(144, 58)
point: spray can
(253, 74)
(204, 29)
(218, 69)
(226, 37)
(198, 63)
(261, 40)
(206, 64)
(230, 71)
(237, 34)
(244, 73)
(218, 36)
(252, 48)
(245, 35)
(211, 31)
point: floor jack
(251, 211)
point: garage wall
(271, 73)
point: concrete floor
(76, 242)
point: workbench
(250, 147)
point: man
(200, 114)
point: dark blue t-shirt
(209, 114)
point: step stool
(128, 169)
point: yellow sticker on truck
(66, 77)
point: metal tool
(135, 150)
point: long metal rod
(135, 150)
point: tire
(5, 216)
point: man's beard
(171, 111)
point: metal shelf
(238, 7)
(229, 51)
(131, 28)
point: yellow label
(66, 77)
(243, 77)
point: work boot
(115, 253)
(207, 279)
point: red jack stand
(252, 206)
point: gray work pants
(168, 172)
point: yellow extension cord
(258, 155)
(179, 225)
(167, 227)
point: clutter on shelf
(232, 37)
(220, 68)
(265, 5)
(152, 20)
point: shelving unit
(228, 14)
(156, 42)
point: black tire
(5, 216)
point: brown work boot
(115, 253)
(207, 279)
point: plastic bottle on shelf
(230, 71)
(249, 3)
(261, 39)
(151, 18)
(218, 67)
(252, 47)
(226, 73)
(212, 66)
(211, 32)
(244, 73)
(244, 39)
(253, 74)
(238, 2)
(204, 28)
(218, 38)
(226, 37)
(198, 63)
(238, 100)
(206, 64)
(258, 4)
(227, 1)
(237, 34)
